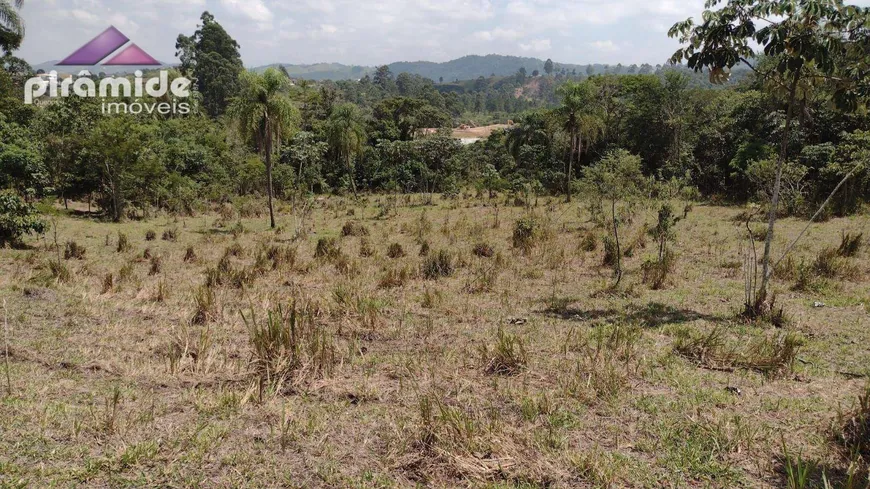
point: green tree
(808, 40)
(548, 66)
(263, 115)
(17, 218)
(615, 178)
(346, 136)
(212, 57)
(11, 25)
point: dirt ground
(477, 132)
(452, 358)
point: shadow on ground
(650, 315)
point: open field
(455, 369)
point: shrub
(327, 248)
(59, 271)
(156, 265)
(108, 283)
(483, 250)
(828, 264)
(353, 228)
(281, 256)
(394, 278)
(147, 254)
(439, 265)
(655, 272)
(850, 244)
(507, 357)
(424, 249)
(610, 252)
(17, 218)
(74, 251)
(150, 235)
(395, 250)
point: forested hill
(464, 68)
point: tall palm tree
(576, 118)
(11, 24)
(263, 114)
(345, 133)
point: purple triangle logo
(132, 55)
(100, 47)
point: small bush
(150, 235)
(395, 250)
(74, 250)
(507, 357)
(850, 244)
(170, 234)
(365, 248)
(394, 278)
(829, 264)
(327, 248)
(527, 231)
(235, 250)
(281, 256)
(609, 258)
(656, 272)
(123, 243)
(162, 292)
(17, 218)
(439, 265)
(424, 249)
(759, 233)
(483, 250)
(147, 254)
(353, 228)
(108, 283)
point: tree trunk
(351, 175)
(269, 177)
(618, 270)
(766, 270)
(570, 167)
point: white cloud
(536, 46)
(606, 46)
(498, 34)
(253, 9)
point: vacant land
(425, 350)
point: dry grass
(478, 357)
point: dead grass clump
(483, 250)
(769, 355)
(190, 255)
(854, 428)
(108, 283)
(395, 250)
(235, 250)
(289, 346)
(440, 264)
(206, 305)
(588, 242)
(353, 228)
(156, 266)
(280, 257)
(484, 277)
(527, 233)
(162, 291)
(170, 234)
(609, 258)
(73, 250)
(394, 278)
(850, 244)
(327, 248)
(507, 357)
(424, 249)
(146, 255)
(829, 264)
(59, 271)
(608, 359)
(656, 272)
(150, 235)
(123, 243)
(365, 248)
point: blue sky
(373, 32)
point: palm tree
(11, 24)
(263, 114)
(578, 121)
(345, 133)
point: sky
(373, 32)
